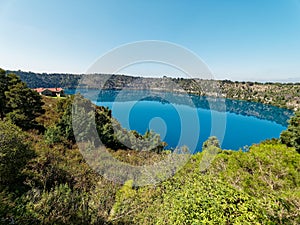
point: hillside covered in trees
(284, 95)
(44, 178)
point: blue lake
(189, 120)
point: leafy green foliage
(63, 189)
(15, 151)
(211, 141)
(3, 89)
(291, 136)
(122, 196)
(150, 141)
(266, 168)
(256, 187)
(18, 103)
(23, 104)
(58, 206)
(53, 135)
(202, 200)
(268, 172)
(65, 122)
(110, 132)
(210, 148)
(57, 186)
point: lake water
(189, 120)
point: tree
(3, 89)
(23, 105)
(14, 153)
(210, 148)
(211, 141)
(291, 136)
(73, 111)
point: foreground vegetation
(257, 187)
(45, 180)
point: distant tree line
(36, 80)
(285, 95)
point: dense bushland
(44, 178)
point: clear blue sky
(238, 39)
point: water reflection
(245, 108)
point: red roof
(39, 90)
